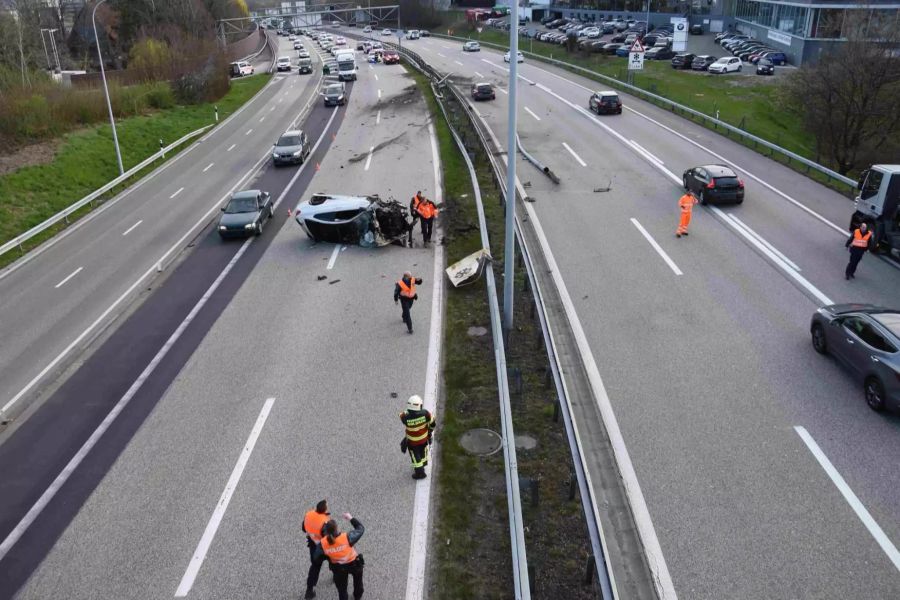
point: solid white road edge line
(162, 259)
(61, 479)
(132, 228)
(572, 152)
(656, 247)
(530, 112)
(369, 158)
(70, 276)
(652, 550)
(418, 546)
(792, 273)
(334, 255)
(764, 242)
(880, 536)
(178, 191)
(187, 581)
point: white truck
(878, 205)
(346, 62)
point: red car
(390, 57)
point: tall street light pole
(112, 119)
(509, 248)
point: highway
(703, 343)
(240, 353)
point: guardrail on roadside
(89, 199)
(675, 106)
(262, 47)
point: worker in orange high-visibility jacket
(424, 209)
(858, 244)
(313, 522)
(419, 424)
(343, 559)
(405, 294)
(686, 204)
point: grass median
(86, 161)
(472, 556)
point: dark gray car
(334, 95)
(245, 214)
(292, 148)
(866, 339)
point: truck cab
(878, 205)
(346, 61)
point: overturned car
(365, 220)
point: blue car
(623, 51)
(779, 58)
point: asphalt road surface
(288, 375)
(703, 342)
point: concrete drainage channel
(617, 566)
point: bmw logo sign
(680, 26)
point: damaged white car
(365, 220)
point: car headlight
(249, 226)
(222, 228)
(274, 155)
(298, 153)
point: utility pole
(112, 120)
(509, 248)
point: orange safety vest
(427, 210)
(340, 552)
(407, 291)
(313, 523)
(686, 203)
(860, 240)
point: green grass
(750, 103)
(86, 161)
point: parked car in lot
(483, 91)
(519, 57)
(659, 53)
(471, 46)
(611, 48)
(682, 61)
(605, 102)
(245, 214)
(702, 62)
(590, 32)
(292, 148)
(283, 63)
(778, 58)
(334, 95)
(623, 50)
(866, 340)
(696, 29)
(386, 32)
(764, 66)
(367, 29)
(714, 183)
(726, 64)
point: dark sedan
(658, 53)
(245, 214)
(682, 61)
(611, 48)
(866, 340)
(292, 148)
(702, 62)
(764, 66)
(483, 91)
(714, 183)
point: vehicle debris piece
(321, 277)
(604, 189)
(469, 269)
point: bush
(160, 95)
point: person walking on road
(343, 559)
(686, 204)
(405, 294)
(313, 522)
(858, 244)
(424, 209)
(419, 424)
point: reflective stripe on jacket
(312, 524)
(419, 424)
(860, 240)
(340, 552)
(686, 203)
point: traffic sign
(636, 46)
(635, 61)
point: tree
(848, 99)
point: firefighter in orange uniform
(858, 244)
(419, 424)
(405, 294)
(686, 203)
(343, 559)
(313, 522)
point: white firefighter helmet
(414, 402)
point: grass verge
(86, 161)
(471, 538)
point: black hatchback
(682, 60)
(702, 62)
(483, 91)
(605, 103)
(714, 183)
(764, 66)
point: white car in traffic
(726, 64)
(284, 63)
(519, 57)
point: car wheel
(493, 96)
(702, 197)
(684, 182)
(259, 227)
(739, 68)
(818, 339)
(271, 211)
(874, 394)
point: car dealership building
(802, 29)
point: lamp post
(509, 248)
(112, 120)
(44, 43)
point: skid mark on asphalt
(365, 155)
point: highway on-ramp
(703, 342)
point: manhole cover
(482, 442)
(477, 331)
(525, 442)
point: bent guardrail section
(675, 106)
(90, 198)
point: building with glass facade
(802, 29)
